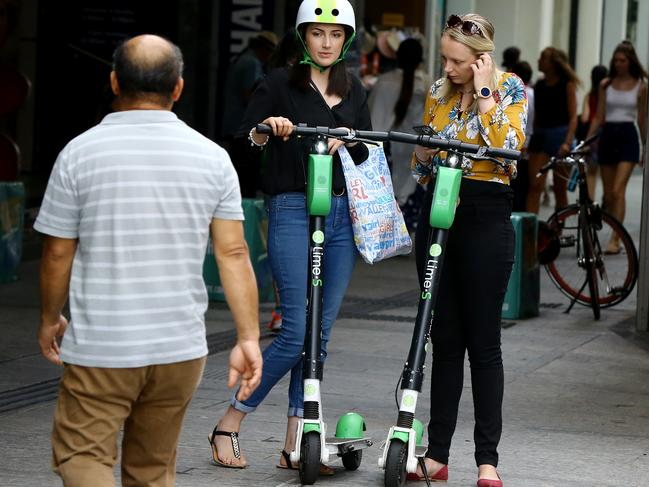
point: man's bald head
(147, 67)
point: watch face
(484, 91)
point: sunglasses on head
(466, 26)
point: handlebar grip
(504, 153)
(264, 129)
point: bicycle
(578, 261)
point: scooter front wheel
(395, 464)
(352, 459)
(310, 458)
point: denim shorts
(548, 140)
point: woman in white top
(622, 105)
(397, 103)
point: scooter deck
(345, 445)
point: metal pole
(642, 311)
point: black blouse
(286, 162)
(551, 104)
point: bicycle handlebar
(423, 140)
(570, 158)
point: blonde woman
(478, 104)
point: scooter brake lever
(367, 141)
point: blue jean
(288, 229)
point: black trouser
(475, 273)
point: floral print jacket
(502, 126)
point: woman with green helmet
(317, 91)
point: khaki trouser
(93, 405)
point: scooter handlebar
(424, 140)
(265, 129)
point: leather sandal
(234, 439)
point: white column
(461, 6)
(561, 24)
(546, 26)
(504, 15)
(642, 311)
(588, 42)
(642, 32)
(614, 29)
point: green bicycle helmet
(325, 12)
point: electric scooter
(312, 446)
(403, 450)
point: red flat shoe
(490, 483)
(440, 476)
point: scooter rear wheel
(310, 458)
(395, 465)
(352, 459)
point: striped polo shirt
(138, 191)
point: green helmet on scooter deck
(326, 12)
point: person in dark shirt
(317, 91)
(243, 77)
(555, 122)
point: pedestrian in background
(396, 102)
(244, 74)
(555, 122)
(622, 114)
(318, 91)
(478, 104)
(511, 56)
(287, 52)
(126, 214)
(588, 113)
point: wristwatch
(484, 92)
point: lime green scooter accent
(309, 427)
(318, 189)
(418, 426)
(447, 189)
(326, 8)
(350, 425)
(400, 435)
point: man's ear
(114, 85)
(178, 89)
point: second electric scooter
(401, 453)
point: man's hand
(245, 364)
(48, 335)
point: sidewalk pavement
(576, 409)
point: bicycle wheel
(590, 262)
(616, 274)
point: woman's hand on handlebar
(425, 155)
(335, 144)
(282, 126)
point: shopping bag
(379, 229)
